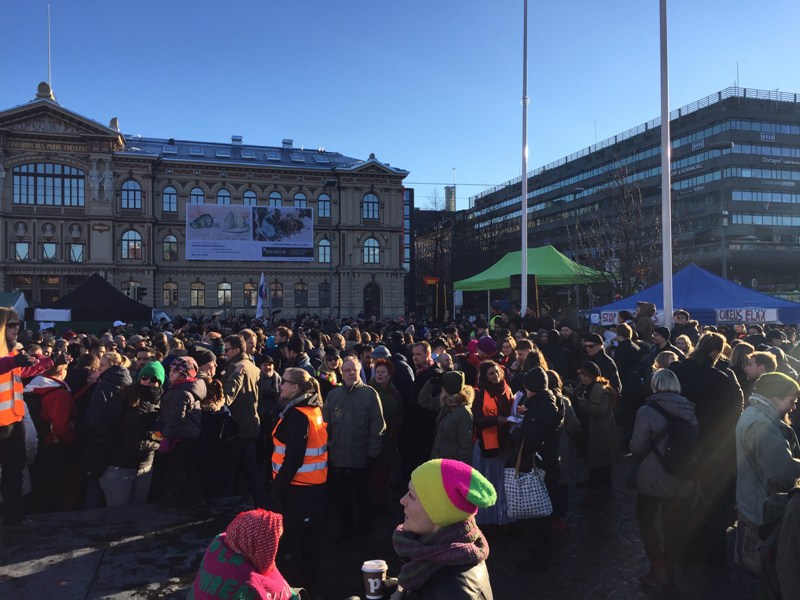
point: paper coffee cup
(374, 578)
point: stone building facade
(78, 197)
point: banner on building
(227, 232)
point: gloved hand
(23, 360)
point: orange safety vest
(489, 435)
(315, 464)
(12, 406)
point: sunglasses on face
(590, 345)
(148, 378)
(13, 324)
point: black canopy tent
(95, 304)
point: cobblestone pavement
(148, 552)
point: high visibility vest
(12, 406)
(489, 435)
(315, 463)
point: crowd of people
(303, 413)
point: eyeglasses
(147, 378)
(289, 381)
(591, 345)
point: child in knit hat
(442, 547)
(240, 563)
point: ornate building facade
(78, 197)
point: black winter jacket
(121, 436)
(457, 582)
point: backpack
(34, 402)
(680, 458)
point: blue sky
(427, 85)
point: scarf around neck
(461, 543)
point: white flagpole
(524, 223)
(666, 175)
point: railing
(731, 92)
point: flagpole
(524, 213)
(666, 175)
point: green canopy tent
(546, 264)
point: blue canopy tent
(710, 299)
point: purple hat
(487, 345)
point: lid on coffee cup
(374, 565)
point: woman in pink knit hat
(240, 563)
(443, 550)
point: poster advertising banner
(249, 233)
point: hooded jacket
(652, 479)
(57, 408)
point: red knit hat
(255, 534)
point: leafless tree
(620, 235)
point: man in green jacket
(240, 388)
(354, 416)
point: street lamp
(722, 146)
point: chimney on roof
(236, 139)
(287, 143)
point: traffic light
(140, 293)
(175, 297)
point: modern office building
(735, 197)
(328, 231)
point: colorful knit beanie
(185, 365)
(153, 370)
(451, 491)
(255, 534)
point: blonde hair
(115, 358)
(302, 379)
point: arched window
(197, 295)
(132, 245)
(369, 207)
(275, 199)
(300, 200)
(250, 294)
(224, 294)
(131, 194)
(301, 294)
(169, 295)
(325, 295)
(169, 199)
(324, 251)
(249, 198)
(48, 184)
(324, 206)
(170, 247)
(372, 252)
(197, 196)
(223, 196)
(276, 294)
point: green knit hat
(153, 369)
(775, 385)
(451, 491)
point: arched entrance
(372, 300)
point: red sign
(430, 280)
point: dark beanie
(453, 382)
(662, 331)
(296, 345)
(535, 380)
(593, 338)
(202, 356)
(591, 369)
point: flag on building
(262, 294)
